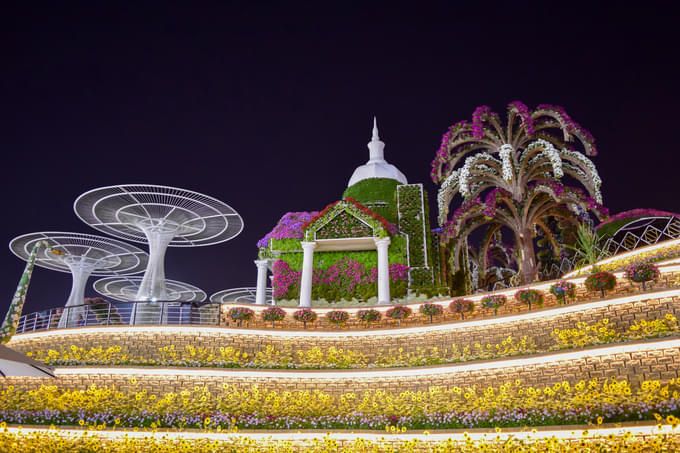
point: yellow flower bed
(53, 442)
(286, 357)
(258, 400)
(585, 334)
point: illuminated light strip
(433, 436)
(536, 314)
(436, 370)
(625, 255)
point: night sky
(268, 106)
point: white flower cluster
(551, 152)
(594, 175)
(444, 195)
(464, 175)
(505, 151)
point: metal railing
(121, 313)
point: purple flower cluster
(288, 227)
(480, 114)
(526, 123)
(572, 126)
(440, 158)
(502, 417)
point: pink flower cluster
(285, 280)
(635, 213)
(345, 275)
(289, 227)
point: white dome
(377, 166)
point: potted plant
(462, 306)
(241, 314)
(368, 316)
(304, 316)
(603, 281)
(399, 312)
(337, 317)
(530, 296)
(273, 314)
(643, 273)
(562, 289)
(494, 301)
(431, 310)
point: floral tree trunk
(564, 298)
(273, 324)
(495, 311)
(527, 257)
(304, 325)
(462, 316)
(602, 289)
(9, 326)
(430, 319)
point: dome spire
(376, 146)
(377, 166)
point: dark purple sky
(268, 107)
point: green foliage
(586, 246)
(372, 190)
(421, 277)
(286, 245)
(608, 230)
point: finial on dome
(375, 129)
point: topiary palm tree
(510, 177)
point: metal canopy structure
(125, 289)
(81, 255)
(246, 295)
(162, 217)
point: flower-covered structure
(510, 176)
(375, 241)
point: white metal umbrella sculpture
(162, 217)
(125, 289)
(171, 311)
(81, 255)
(13, 363)
(246, 295)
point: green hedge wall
(414, 221)
(371, 190)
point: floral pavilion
(366, 346)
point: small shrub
(304, 316)
(530, 296)
(495, 301)
(368, 316)
(642, 273)
(241, 314)
(603, 281)
(563, 289)
(431, 310)
(399, 312)
(462, 306)
(273, 314)
(337, 317)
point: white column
(81, 269)
(261, 292)
(383, 271)
(307, 269)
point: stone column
(383, 271)
(261, 290)
(306, 279)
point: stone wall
(635, 362)
(146, 340)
